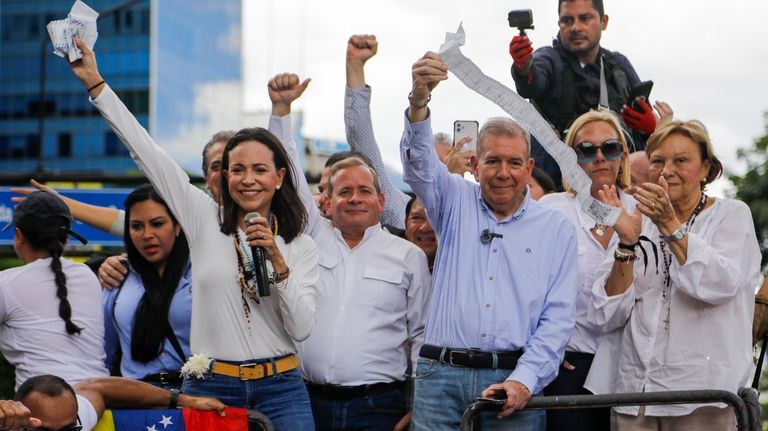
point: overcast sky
(707, 59)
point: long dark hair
(52, 241)
(149, 323)
(286, 203)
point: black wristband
(174, 402)
(94, 86)
(630, 247)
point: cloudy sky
(707, 59)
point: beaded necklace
(666, 296)
(245, 269)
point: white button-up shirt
(371, 300)
(707, 342)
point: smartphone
(464, 128)
(643, 90)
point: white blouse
(699, 336)
(586, 333)
(219, 325)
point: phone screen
(463, 129)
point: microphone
(488, 236)
(259, 262)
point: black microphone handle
(260, 267)
(259, 262)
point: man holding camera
(504, 276)
(576, 75)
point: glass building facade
(176, 46)
(74, 136)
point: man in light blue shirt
(505, 274)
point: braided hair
(52, 240)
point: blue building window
(65, 145)
(113, 146)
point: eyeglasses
(587, 151)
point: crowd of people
(361, 307)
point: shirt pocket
(384, 288)
(327, 263)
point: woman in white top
(601, 151)
(251, 338)
(51, 321)
(686, 321)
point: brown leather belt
(249, 371)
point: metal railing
(748, 418)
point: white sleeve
(188, 203)
(87, 413)
(611, 312)
(281, 127)
(716, 271)
(298, 297)
(419, 296)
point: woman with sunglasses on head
(601, 151)
(50, 308)
(147, 318)
(243, 341)
(685, 324)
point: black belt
(339, 392)
(471, 358)
(579, 356)
(170, 379)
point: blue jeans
(282, 398)
(381, 411)
(442, 393)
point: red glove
(643, 121)
(522, 52)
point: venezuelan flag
(172, 420)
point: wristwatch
(677, 235)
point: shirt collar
(370, 232)
(521, 210)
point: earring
(278, 187)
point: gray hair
(221, 136)
(503, 126)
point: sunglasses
(587, 151)
(77, 426)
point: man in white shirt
(372, 295)
(48, 402)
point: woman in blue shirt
(147, 319)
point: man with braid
(51, 319)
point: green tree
(752, 186)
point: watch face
(677, 235)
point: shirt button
(487, 305)
(494, 250)
(490, 278)
(483, 334)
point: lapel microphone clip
(487, 236)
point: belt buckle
(467, 352)
(164, 377)
(253, 366)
